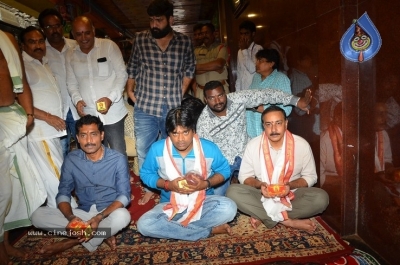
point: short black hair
(160, 8)
(197, 27)
(179, 117)
(271, 55)
(87, 120)
(210, 85)
(49, 12)
(271, 109)
(247, 24)
(26, 30)
(193, 105)
(210, 26)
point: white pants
(47, 218)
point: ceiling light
(251, 15)
(260, 26)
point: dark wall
(361, 202)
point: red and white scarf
(180, 202)
(279, 173)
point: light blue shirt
(275, 80)
(101, 182)
(154, 167)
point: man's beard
(160, 33)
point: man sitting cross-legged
(223, 120)
(282, 166)
(100, 178)
(187, 211)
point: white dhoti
(21, 189)
(48, 158)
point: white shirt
(246, 66)
(46, 96)
(90, 80)
(56, 61)
(304, 164)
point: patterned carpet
(246, 246)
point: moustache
(38, 49)
(273, 134)
(219, 105)
(87, 145)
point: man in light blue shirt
(187, 211)
(100, 178)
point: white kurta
(44, 145)
(100, 73)
(56, 62)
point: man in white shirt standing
(44, 145)
(57, 46)
(246, 59)
(96, 77)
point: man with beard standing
(160, 70)
(57, 46)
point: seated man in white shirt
(282, 166)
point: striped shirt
(159, 74)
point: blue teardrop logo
(361, 41)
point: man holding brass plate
(280, 165)
(96, 77)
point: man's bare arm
(52, 120)
(253, 182)
(298, 183)
(185, 84)
(95, 220)
(6, 87)
(25, 98)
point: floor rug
(245, 246)
(358, 257)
